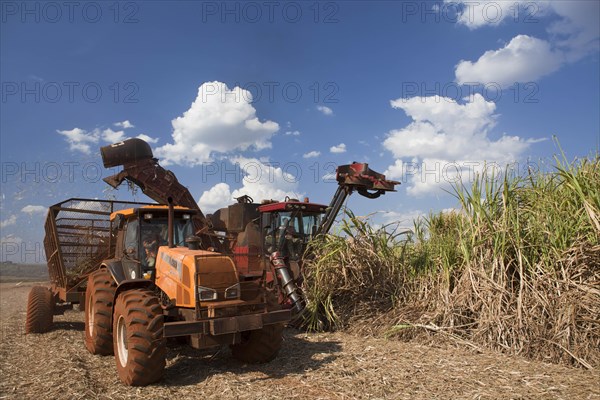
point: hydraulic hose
(286, 282)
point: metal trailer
(79, 236)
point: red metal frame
(291, 206)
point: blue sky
(419, 90)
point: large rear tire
(139, 345)
(40, 310)
(259, 346)
(99, 297)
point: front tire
(99, 297)
(139, 345)
(259, 346)
(40, 310)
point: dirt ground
(310, 366)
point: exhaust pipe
(170, 218)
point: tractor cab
(289, 225)
(142, 231)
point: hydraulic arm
(142, 169)
(351, 177)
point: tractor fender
(128, 284)
(115, 268)
(132, 284)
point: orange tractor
(146, 272)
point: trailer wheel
(99, 297)
(259, 346)
(139, 345)
(40, 310)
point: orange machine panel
(176, 268)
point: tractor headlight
(232, 292)
(206, 294)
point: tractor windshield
(303, 224)
(154, 233)
(297, 227)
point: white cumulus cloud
(147, 138)
(82, 140)
(577, 32)
(447, 142)
(125, 124)
(524, 59)
(404, 219)
(79, 139)
(31, 209)
(219, 120)
(573, 36)
(312, 154)
(340, 148)
(292, 133)
(11, 220)
(216, 197)
(261, 181)
(325, 110)
(110, 136)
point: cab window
(132, 234)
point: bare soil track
(310, 366)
